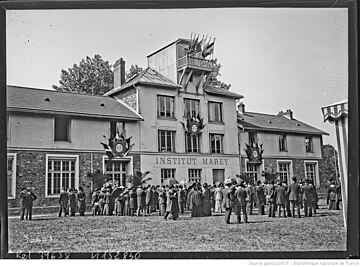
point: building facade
(189, 131)
(54, 141)
(279, 145)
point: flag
(208, 50)
(194, 44)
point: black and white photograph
(179, 132)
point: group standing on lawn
(201, 200)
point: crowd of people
(274, 198)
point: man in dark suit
(307, 192)
(280, 198)
(149, 198)
(229, 199)
(32, 197)
(294, 192)
(249, 198)
(206, 200)
(270, 193)
(63, 202)
(241, 203)
(140, 201)
(181, 199)
(260, 198)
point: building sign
(191, 161)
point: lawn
(323, 232)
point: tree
(134, 70)
(92, 76)
(331, 167)
(213, 77)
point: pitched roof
(275, 123)
(54, 102)
(218, 91)
(148, 76)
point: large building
(166, 120)
(279, 144)
(189, 131)
(53, 141)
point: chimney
(288, 114)
(241, 108)
(119, 73)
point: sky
(277, 58)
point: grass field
(323, 232)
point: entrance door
(117, 171)
(218, 175)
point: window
(284, 171)
(61, 172)
(310, 171)
(194, 176)
(117, 171)
(216, 143)
(62, 129)
(191, 107)
(166, 174)
(251, 171)
(116, 127)
(308, 144)
(192, 143)
(282, 142)
(218, 175)
(11, 175)
(166, 141)
(215, 112)
(252, 139)
(165, 106)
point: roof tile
(49, 101)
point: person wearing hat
(270, 193)
(241, 203)
(32, 197)
(119, 202)
(24, 203)
(294, 192)
(206, 200)
(81, 201)
(280, 198)
(181, 199)
(107, 199)
(260, 198)
(195, 202)
(162, 201)
(172, 205)
(72, 202)
(141, 202)
(229, 199)
(63, 202)
(218, 196)
(155, 190)
(149, 199)
(132, 201)
(249, 198)
(307, 192)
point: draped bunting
(337, 114)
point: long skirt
(218, 205)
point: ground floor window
(62, 172)
(166, 174)
(11, 175)
(116, 170)
(252, 172)
(284, 171)
(194, 176)
(310, 171)
(218, 175)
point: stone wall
(31, 172)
